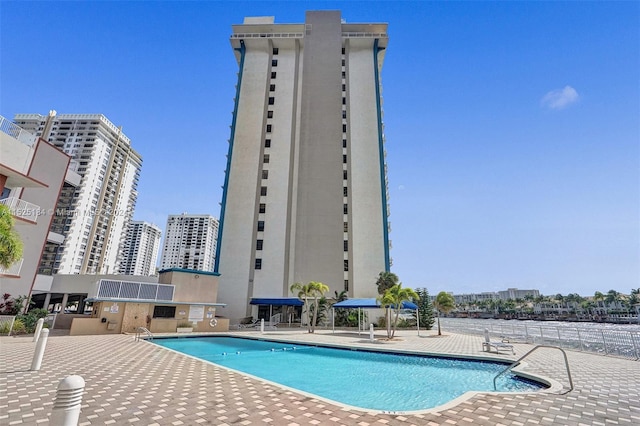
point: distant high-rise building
(141, 249)
(32, 173)
(190, 242)
(305, 191)
(91, 219)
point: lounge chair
(498, 346)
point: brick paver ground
(129, 382)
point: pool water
(364, 379)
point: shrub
(5, 327)
(30, 319)
(19, 327)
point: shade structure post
(333, 320)
(418, 320)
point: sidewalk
(130, 382)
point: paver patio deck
(129, 382)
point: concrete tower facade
(190, 242)
(91, 219)
(141, 249)
(305, 192)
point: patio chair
(498, 346)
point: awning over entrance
(369, 303)
(277, 301)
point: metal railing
(143, 330)
(513, 364)
(16, 132)
(22, 209)
(613, 341)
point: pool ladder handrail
(566, 363)
(140, 330)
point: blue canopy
(369, 303)
(277, 301)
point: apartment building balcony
(24, 211)
(16, 132)
(12, 271)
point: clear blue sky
(512, 127)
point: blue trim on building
(383, 184)
(225, 188)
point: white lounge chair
(498, 346)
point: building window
(273, 74)
(259, 244)
(345, 208)
(265, 158)
(346, 285)
(269, 114)
(274, 63)
(344, 174)
(261, 225)
(269, 127)
(164, 312)
(267, 143)
(345, 191)
(272, 87)
(344, 62)
(344, 87)
(344, 114)
(344, 74)
(346, 265)
(265, 175)
(275, 50)
(345, 245)
(344, 128)
(343, 50)
(345, 226)
(258, 264)
(344, 101)
(263, 190)
(272, 100)
(262, 208)
(344, 143)
(344, 158)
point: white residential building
(32, 174)
(190, 242)
(91, 219)
(305, 191)
(141, 249)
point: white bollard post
(39, 325)
(66, 407)
(39, 352)
(371, 332)
(262, 326)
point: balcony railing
(13, 270)
(16, 132)
(22, 209)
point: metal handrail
(141, 330)
(566, 363)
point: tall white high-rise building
(141, 249)
(91, 219)
(190, 242)
(305, 191)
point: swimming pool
(359, 378)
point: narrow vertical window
(265, 175)
(346, 265)
(259, 244)
(261, 225)
(265, 158)
(267, 144)
(263, 190)
(262, 208)
(345, 245)
(258, 264)
(274, 63)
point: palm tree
(10, 243)
(312, 290)
(385, 281)
(393, 298)
(342, 315)
(444, 303)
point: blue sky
(513, 128)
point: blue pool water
(371, 380)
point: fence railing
(604, 341)
(16, 132)
(22, 209)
